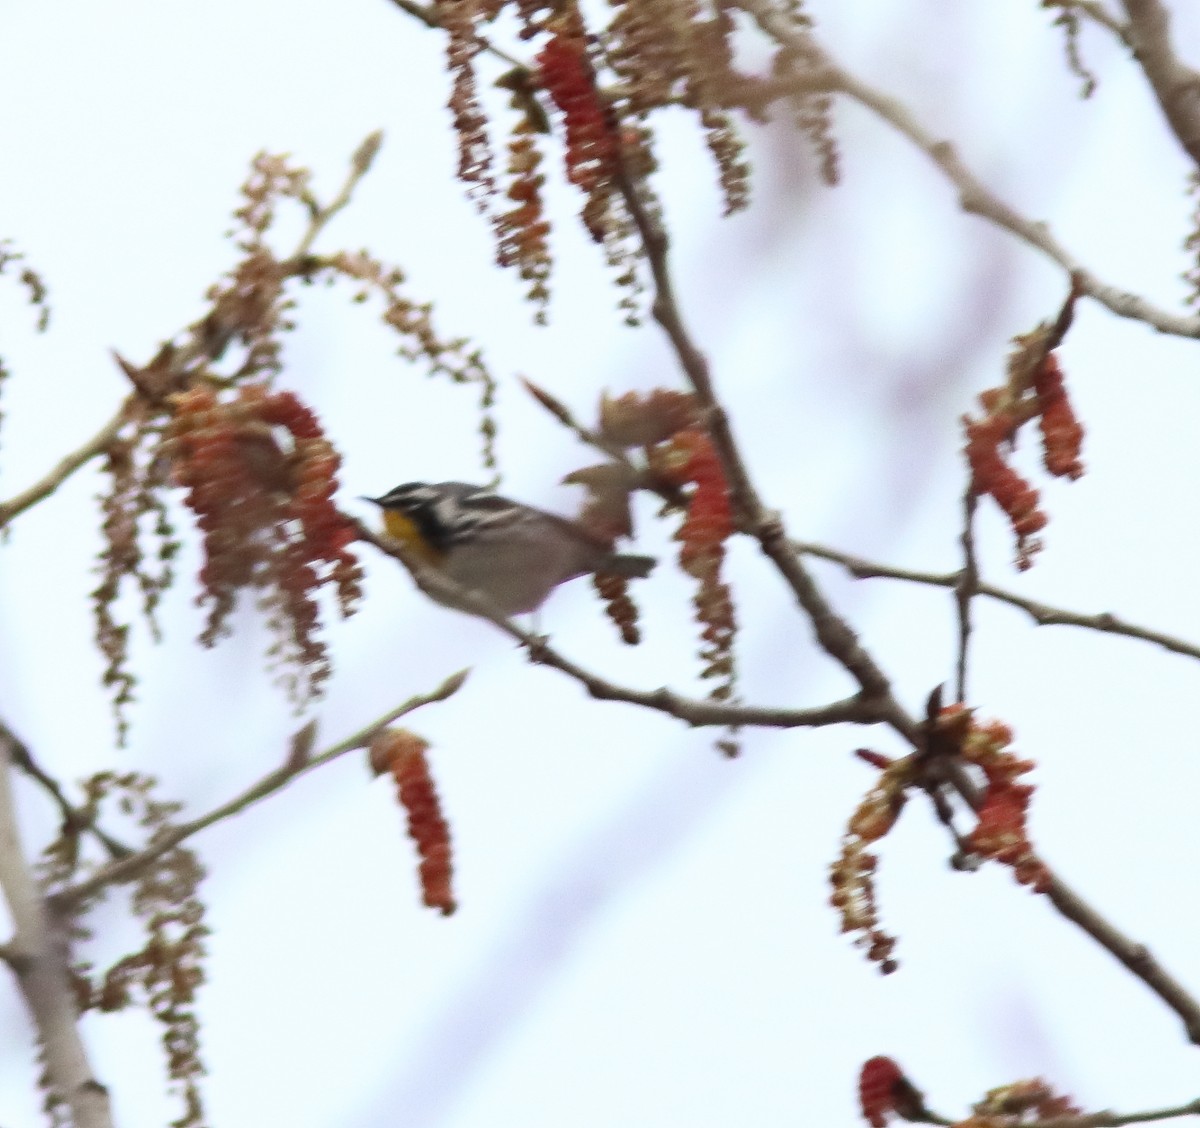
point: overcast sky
(643, 936)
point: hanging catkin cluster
(260, 477)
(605, 86)
(401, 754)
(689, 460)
(852, 875)
(680, 463)
(668, 52)
(1002, 831)
(1034, 389)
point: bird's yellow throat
(404, 529)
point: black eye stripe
(449, 513)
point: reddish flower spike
(852, 874)
(875, 759)
(591, 152)
(401, 754)
(1062, 433)
(614, 590)
(689, 458)
(990, 474)
(260, 477)
(883, 1088)
(1002, 831)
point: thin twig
(966, 588)
(1175, 84)
(974, 197)
(1118, 1119)
(210, 336)
(581, 431)
(1043, 614)
(37, 954)
(423, 13)
(74, 820)
(46, 485)
(1099, 14)
(428, 17)
(639, 477)
(1134, 956)
(1091, 1119)
(125, 869)
(360, 165)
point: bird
(511, 554)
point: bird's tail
(627, 565)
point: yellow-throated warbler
(512, 554)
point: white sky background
(643, 937)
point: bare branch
(360, 165)
(1090, 1119)
(37, 954)
(74, 820)
(974, 197)
(1099, 14)
(424, 14)
(1175, 85)
(966, 588)
(428, 17)
(295, 765)
(1135, 957)
(1117, 1119)
(45, 486)
(1042, 613)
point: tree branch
(1135, 957)
(38, 956)
(965, 589)
(74, 820)
(974, 197)
(298, 763)
(45, 486)
(1175, 85)
(1099, 14)
(360, 165)
(1117, 1119)
(1042, 613)
(428, 17)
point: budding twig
(295, 765)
